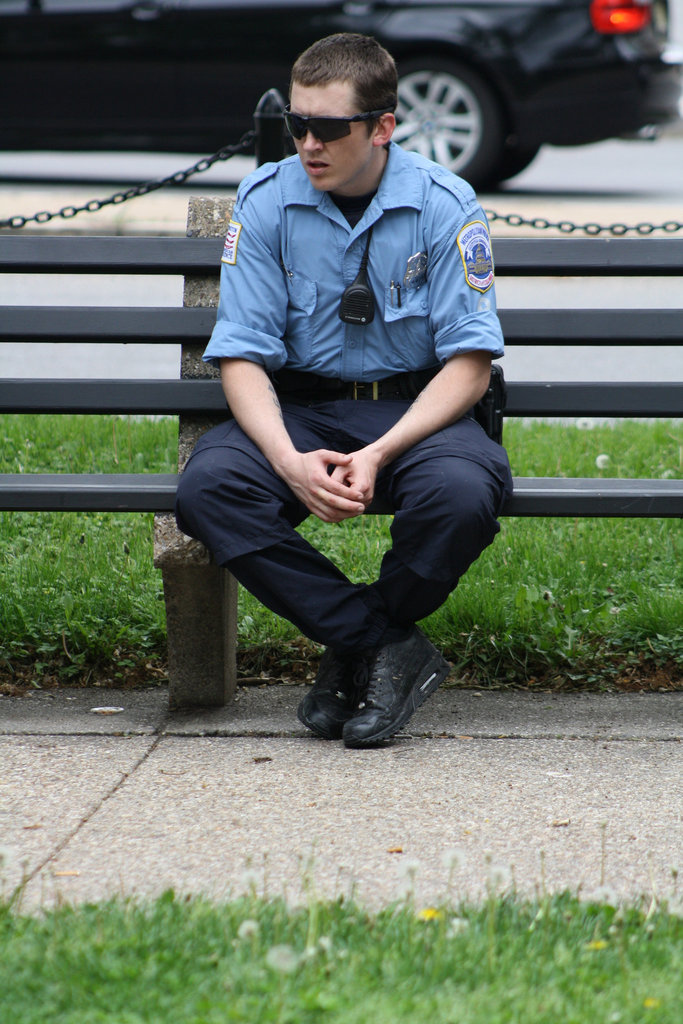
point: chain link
(513, 220)
(178, 178)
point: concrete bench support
(200, 597)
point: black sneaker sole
(432, 676)
(336, 735)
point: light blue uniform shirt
(290, 253)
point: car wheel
(447, 113)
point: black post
(270, 127)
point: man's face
(352, 165)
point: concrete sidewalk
(557, 791)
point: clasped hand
(334, 486)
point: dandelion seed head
(500, 876)
(248, 929)
(282, 959)
(456, 926)
(602, 461)
(604, 894)
(409, 869)
(454, 859)
(249, 879)
(675, 906)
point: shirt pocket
(302, 295)
(408, 326)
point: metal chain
(514, 220)
(179, 178)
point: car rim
(439, 117)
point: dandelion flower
(430, 914)
(602, 461)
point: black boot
(402, 676)
(335, 694)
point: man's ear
(384, 129)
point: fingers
(318, 482)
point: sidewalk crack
(89, 814)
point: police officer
(355, 332)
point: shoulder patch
(231, 240)
(474, 244)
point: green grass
(254, 961)
(552, 603)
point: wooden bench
(201, 601)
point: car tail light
(620, 16)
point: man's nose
(310, 141)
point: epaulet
(458, 187)
(256, 177)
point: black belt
(299, 386)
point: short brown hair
(350, 57)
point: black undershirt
(353, 207)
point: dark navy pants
(445, 492)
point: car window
(14, 6)
(64, 6)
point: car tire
(447, 113)
(514, 160)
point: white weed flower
(604, 894)
(456, 926)
(585, 424)
(602, 461)
(674, 906)
(282, 959)
(454, 859)
(409, 869)
(248, 929)
(500, 876)
(250, 879)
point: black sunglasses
(327, 129)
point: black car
(482, 85)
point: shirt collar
(401, 185)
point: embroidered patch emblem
(231, 240)
(477, 257)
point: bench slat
(107, 324)
(170, 324)
(519, 257)
(534, 496)
(171, 397)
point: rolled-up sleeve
(252, 310)
(462, 294)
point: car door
(87, 73)
(237, 49)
